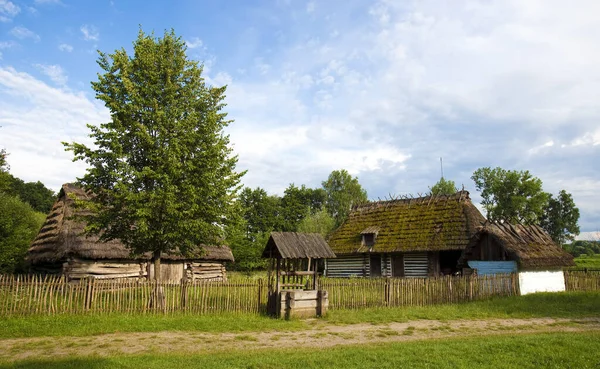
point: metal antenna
(441, 167)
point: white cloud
(54, 72)
(65, 47)
(8, 10)
(35, 119)
(310, 7)
(90, 33)
(194, 43)
(21, 33)
(510, 84)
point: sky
(382, 89)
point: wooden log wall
(80, 269)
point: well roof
(62, 237)
(529, 245)
(293, 245)
(435, 222)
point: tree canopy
(560, 218)
(342, 191)
(443, 187)
(19, 224)
(509, 195)
(161, 169)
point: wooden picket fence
(382, 292)
(576, 280)
(27, 294)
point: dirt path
(322, 335)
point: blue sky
(380, 88)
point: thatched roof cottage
(412, 237)
(62, 248)
(524, 249)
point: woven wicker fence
(27, 295)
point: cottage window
(368, 239)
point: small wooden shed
(528, 250)
(61, 247)
(293, 273)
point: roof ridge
(460, 196)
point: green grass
(550, 350)
(86, 325)
(585, 261)
(539, 305)
(557, 305)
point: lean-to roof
(529, 245)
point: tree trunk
(156, 265)
(157, 299)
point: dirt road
(322, 334)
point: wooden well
(293, 274)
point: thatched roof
(414, 224)
(530, 246)
(292, 245)
(61, 237)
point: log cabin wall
(172, 271)
(81, 268)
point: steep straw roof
(62, 237)
(529, 245)
(292, 245)
(412, 224)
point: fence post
(260, 291)
(470, 287)
(387, 291)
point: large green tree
(510, 195)
(260, 211)
(161, 170)
(342, 192)
(443, 187)
(299, 202)
(560, 218)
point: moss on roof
(418, 224)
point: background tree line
(23, 208)
(300, 209)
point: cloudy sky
(380, 88)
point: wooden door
(397, 266)
(375, 265)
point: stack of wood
(205, 271)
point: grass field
(556, 305)
(585, 261)
(553, 350)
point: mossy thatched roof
(529, 245)
(62, 237)
(417, 224)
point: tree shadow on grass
(68, 363)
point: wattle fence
(35, 295)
